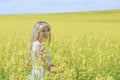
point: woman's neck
(40, 40)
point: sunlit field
(84, 45)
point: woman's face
(44, 33)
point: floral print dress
(38, 66)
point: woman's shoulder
(36, 43)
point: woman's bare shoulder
(36, 43)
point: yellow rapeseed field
(84, 45)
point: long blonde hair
(34, 35)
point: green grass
(85, 45)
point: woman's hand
(27, 63)
(49, 66)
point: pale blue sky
(50, 6)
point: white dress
(38, 67)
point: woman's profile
(38, 55)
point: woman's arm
(39, 52)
